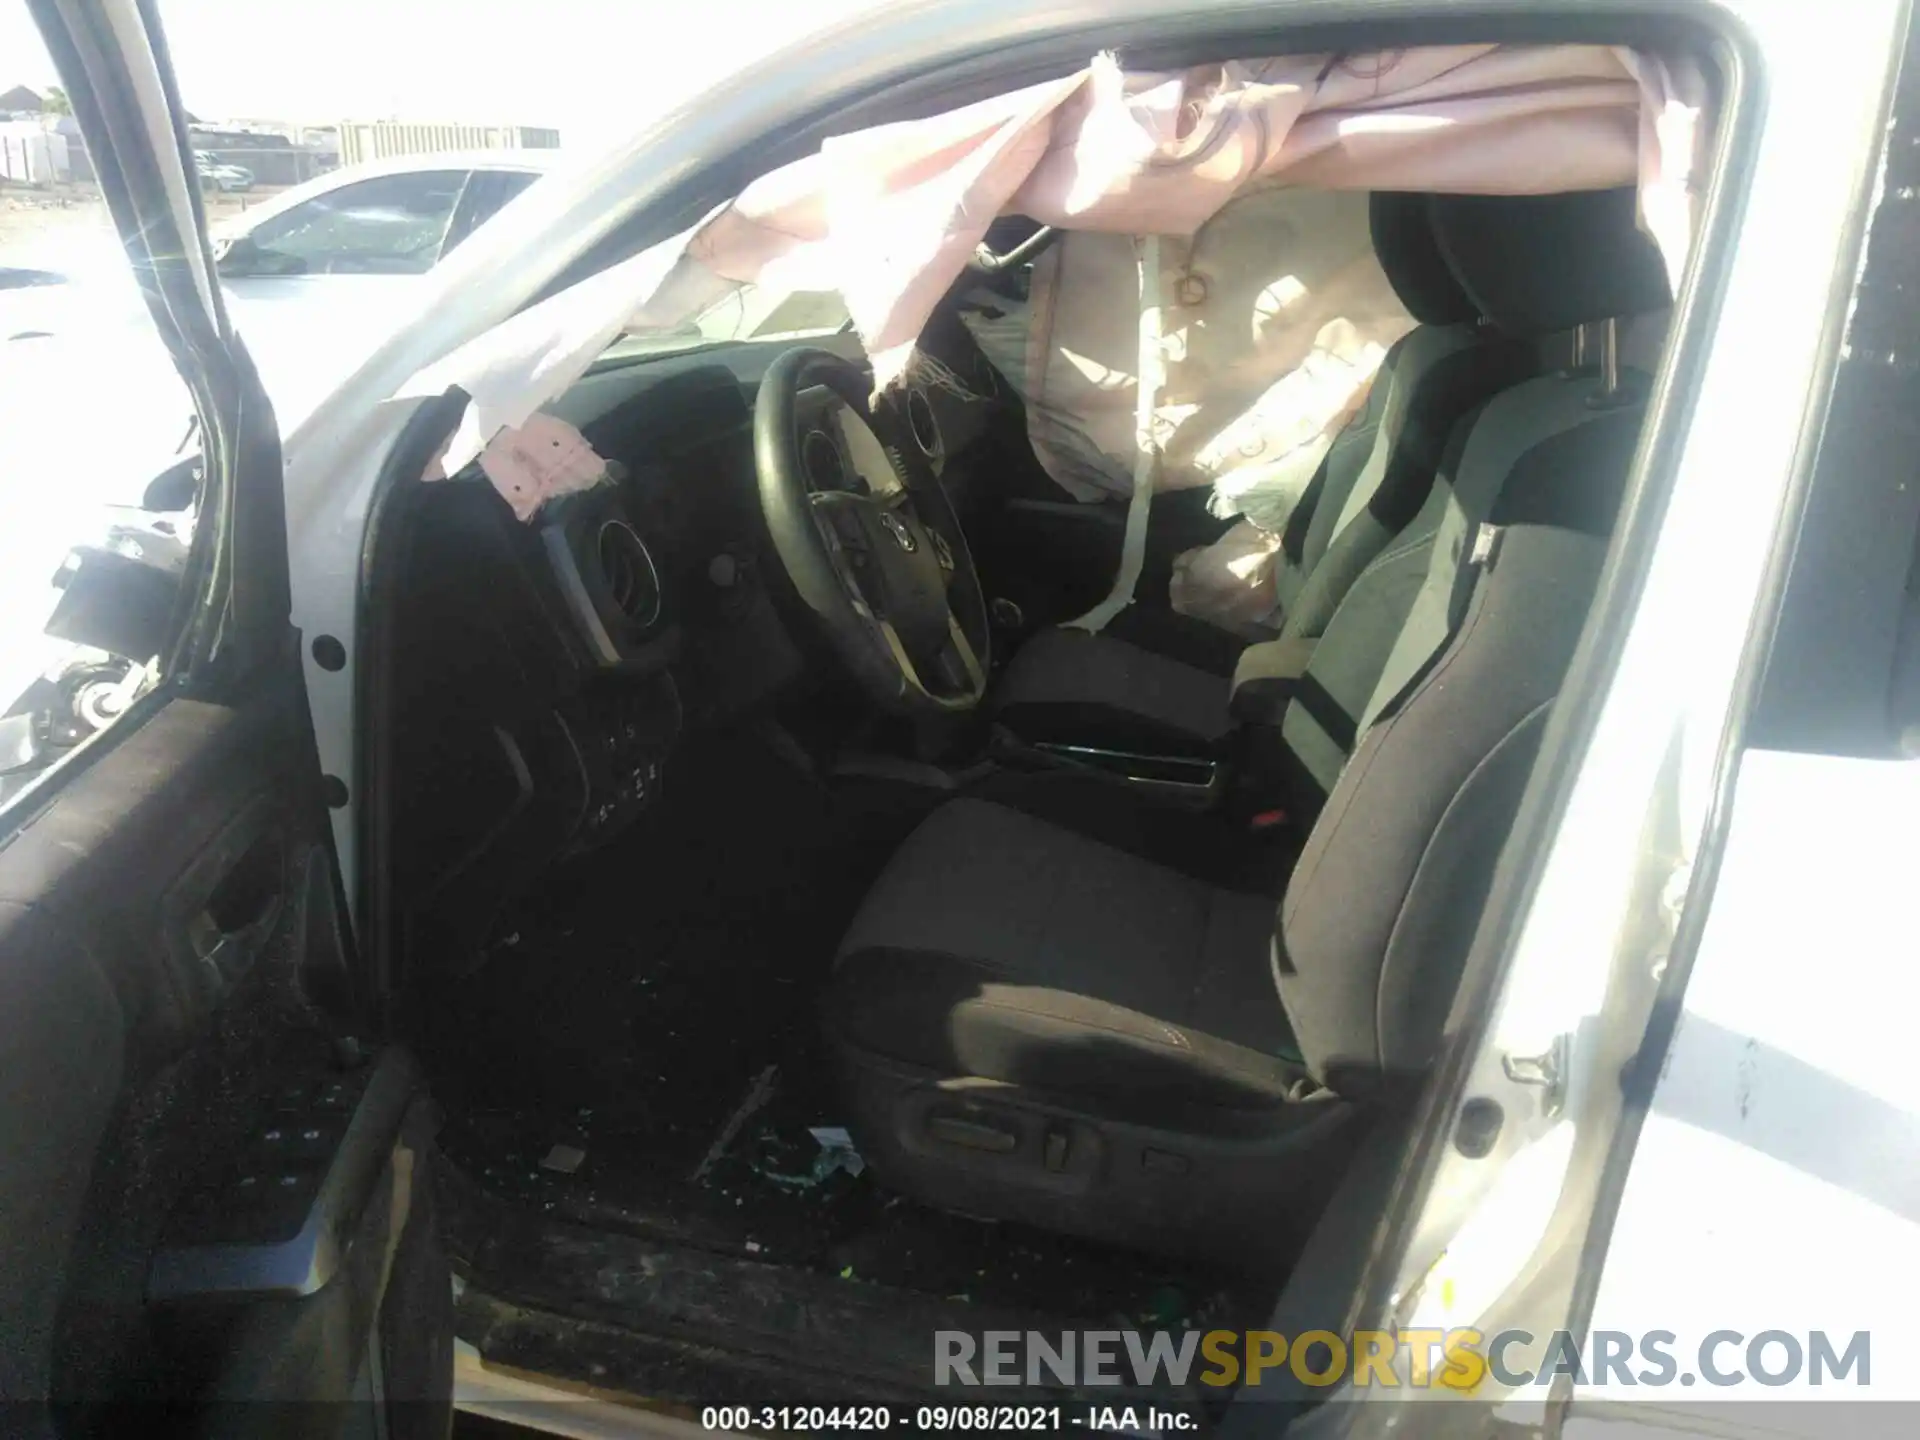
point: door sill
(533, 1404)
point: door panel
(222, 1184)
(61, 1062)
(214, 1184)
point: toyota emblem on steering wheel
(898, 529)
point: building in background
(326, 137)
(33, 153)
(363, 140)
(40, 145)
(79, 163)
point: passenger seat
(1068, 686)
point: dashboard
(543, 674)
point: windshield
(750, 312)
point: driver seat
(1145, 689)
(1061, 1007)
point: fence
(363, 140)
(30, 155)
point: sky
(593, 69)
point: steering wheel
(882, 566)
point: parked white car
(322, 259)
(314, 277)
(317, 274)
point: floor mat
(640, 1051)
(642, 981)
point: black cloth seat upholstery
(1067, 965)
(1060, 1023)
(1154, 688)
(1068, 686)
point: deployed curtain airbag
(1268, 325)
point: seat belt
(1146, 464)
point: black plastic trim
(397, 485)
(309, 1260)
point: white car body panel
(1777, 1181)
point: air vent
(926, 430)
(633, 585)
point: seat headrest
(1534, 264)
(1404, 243)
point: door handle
(230, 899)
(243, 906)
